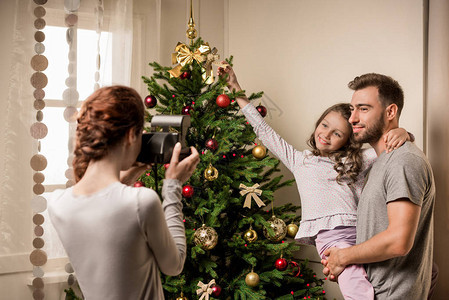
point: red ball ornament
(212, 144)
(150, 101)
(186, 110)
(216, 290)
(185, 75)
(296, 269)
(223, 100)
(262, 110)
(187, 191)
(138, 184)
(281, 264)
(166, 166)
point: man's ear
(391, 111)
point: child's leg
(353, 281)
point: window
(55, 145)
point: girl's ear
(391, 111)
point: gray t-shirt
(403, 173)
(119, 238)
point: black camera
(157, 147)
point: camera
(157, 147)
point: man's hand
(333, 265)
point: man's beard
(371, 134)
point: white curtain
(16, 116)
(134, 42)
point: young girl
(329, 179)
(119, 237)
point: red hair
(103, 121)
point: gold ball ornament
(292, 229)
(250, 235)
(182, 297)
(211, 173)
(205, 237)
(191, 33)
(252, 279)
(259, 152)
(279, 228)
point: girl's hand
(395, 138)
(232, 78)
(130, 176)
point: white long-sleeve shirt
(119, 238)
(325, 204)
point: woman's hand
(182, 170)
(130, 176)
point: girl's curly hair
(348, 159)
(103, 121)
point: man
(395, 211)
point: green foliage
(219, 204)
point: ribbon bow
(252, 192)
(205, 289)
(210, 58)
(184, 56)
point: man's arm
(396, 240)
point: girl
(116, 236)
(329, 179)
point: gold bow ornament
(184, 56)
(205, 289)
(252, 192)
(210, 58)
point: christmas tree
(236, 236)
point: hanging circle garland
(38, 162)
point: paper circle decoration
(39, 48)
(38, 258)
(38, 243)
(38, 294)
(39, 80)
(39, 12)
(39, 63)
(38, 219)
(39, 36)
(72, 5)
(71, 20)
(70, 96)
(38, 189)
(39, 94)
(38, 204)
(38, 130)
(38, 162)
(39, 104)
(38, 272)
(38, 283)
(70, 114)
(39, 24)
(38, 231)
(68, 268)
